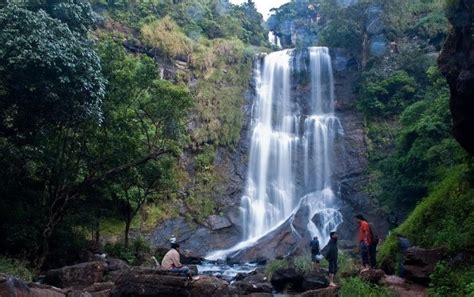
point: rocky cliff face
(350, 182)
(457, 65)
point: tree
(142, 115)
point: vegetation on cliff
(93, 137)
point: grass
(356, 287)
(167, 36)
(17, 268)
(443, 219)
(274, 265)
(452, 281)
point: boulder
(252, 283)
(11, 286)
(373, 276)
(138, 282)
(314, 281)
(287, 278)
(116, 264)
(188, 257)
(77, 276)
(209, 286)
(420, 263)
(215, 222)
(325, 292)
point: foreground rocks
(420, 264)
(77, 276)
(293, 280)
(10, 286)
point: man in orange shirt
(364, 241)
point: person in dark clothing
(314, 245)
(403, 245)
(392, 220)
(331, 256)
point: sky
(264, 6)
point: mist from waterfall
(285, 130)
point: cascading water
(284, 130)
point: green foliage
(119, 250)
(406, 166)
(166, 35)
(198, 18)
(303, 264)
(61, 81)
(444, 218)
(452, 281)
(16, 268)
(145, 116)
(387, 96)
(274, 265)
(356, 287)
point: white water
(274, 40)
(284, 131)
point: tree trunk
(127, 230)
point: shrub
(355, 287)
(303, 264)
(16, 268)
(452, 281)
(119, 250)
(444, 218)
(387, 96)
(166, 35)
(274, 265)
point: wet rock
(420, 264)
(77, 276)
(195, 238)
(188, 257)
(314, 281)
(373, 276)
(11, 286)
(325, 292)
(287, 278)
(209, 286)
(252, 283)
(215, 222)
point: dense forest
(114, 115)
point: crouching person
(171, 261)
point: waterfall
(291, 150)
(274, 39)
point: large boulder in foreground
(11, 286)
(420, 264)
(140, 282)
(289, 278)
(77, 276)
(255, 282)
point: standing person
(364, 241)
(331, 256)
(392, 220)
(171, 261)
(374, 241)
(403, 245)
(314, 245)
